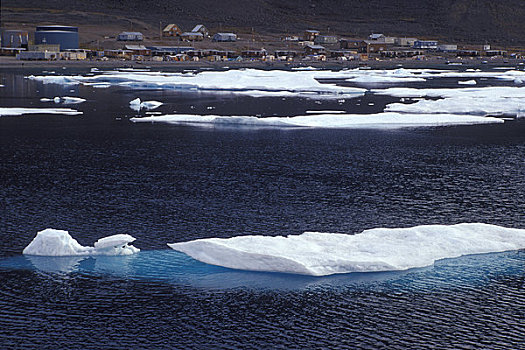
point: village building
(358, 45)
(468, 53)
(122, 54)
(168, 50)
(426, 44)
(400, 53)
(285, 54)
(314, 50)
(254, 53)
(200, 28)
(492, 53)
(310, 34)
(130, 36)
(404, 41)
(224, 37)
(376, 36)
(191, 36)
(447, 48)
(171, 30)
(15, 38)
(138, 50)
(375, 46)
(325, 40)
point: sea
(99, 173)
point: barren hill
(462, 21)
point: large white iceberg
(380, 249)
(51, 242)
(339, 120)
(494, 100)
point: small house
(200, 28)
(310, 34)
(325, 40)
(130, 36)
(171, 30)
(224, 37)
(375, 46)
(191, 36)
(314, 50)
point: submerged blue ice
(172, 267)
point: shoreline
(8, 63)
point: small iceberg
(51, 242)
(67, 100)
(137, 105)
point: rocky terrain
(461, 21)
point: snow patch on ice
(380, 249)
(51, 242)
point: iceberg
(67, 100)
(16, 111)
(340, 120)
(137, 105)
(374, 250)
(51, 242)
(494, 100)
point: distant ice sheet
(375, 121)
(15, 111)
(51, 242)
(381, 249)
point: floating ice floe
(137, 105)
(381, 249)
(494, 100)
(467, 82)
(15, 111)
(67, 100)
(351, 121)
(252, 82)
(50, 242)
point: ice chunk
(114, 241)
(51, 242)
(374, 121)
(68, 100)
(14, 111)
(137, 105)
(467, 82)
(381, 249)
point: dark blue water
(98, 174)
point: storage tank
(65, 36)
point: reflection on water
(176, 268)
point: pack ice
(51, 242)
(380, 249)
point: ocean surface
(99, 174)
